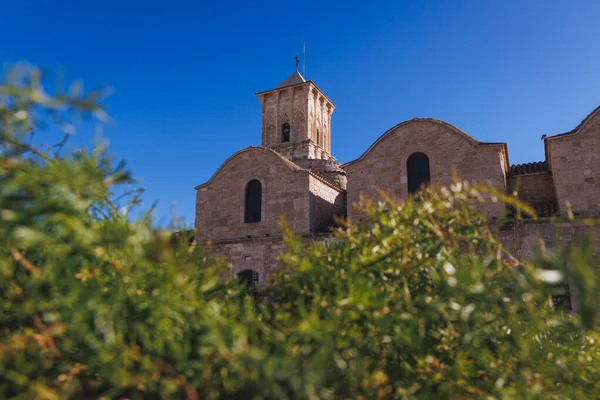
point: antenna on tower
(304, 59)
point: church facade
(293, 175)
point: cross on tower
(297, 61)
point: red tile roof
(528, 168)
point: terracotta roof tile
(528, 168)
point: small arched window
(417, 169)
(285, 132)
(318, 137)
(253, 201)
(249, 280)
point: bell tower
(296, 120)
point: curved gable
(582, 125)
(221, 203)
(573, 158)
(267, 152)
(447, 149)
(403, 128)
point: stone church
(294, 175)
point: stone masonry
(574, 161)
(383, 165)
(303, 183)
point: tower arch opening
(285, 132)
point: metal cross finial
(297, 61)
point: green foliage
(417, 301)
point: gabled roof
(293, 79)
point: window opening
(285, 132)
(253, 201)
(418, 172)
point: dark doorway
(249, 280)
(417, 169)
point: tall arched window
(417, 169)
(285, 132)
(318, 137)
(249, 280)
(253, 200)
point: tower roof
(293, 79)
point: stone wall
(326, 202)
(330, 169)
(575, 164)
(383, 166)
(285, 193)
(523, 240)
(536, 189)
(301, 149)
(304, 107)
(257, 254)
(284, 105)
(319, 118)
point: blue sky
(184, 73)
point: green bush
(417, 301)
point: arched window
(417, 169)
(249, 280)
(253, 200)
(318, 137)
(285, 132)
